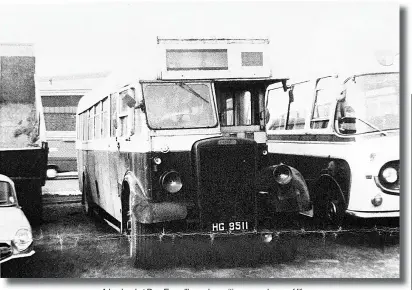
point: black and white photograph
(201, 140)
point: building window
(60, 122)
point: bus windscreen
(179, 105)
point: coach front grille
(225, 174)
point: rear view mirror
(386, 57)
(347, 125)
(128, 98)
(291, 96)
(341, 95)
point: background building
(60, 96)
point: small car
(16, 240)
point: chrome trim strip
(31, 253)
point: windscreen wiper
(190, 90)
(372, 126)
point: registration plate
(230, 226)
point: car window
(6, 194)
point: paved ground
(65, 184)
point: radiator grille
(226, 184)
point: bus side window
(126, 112)
(105, 118)
(90, 124)
(113, 114)
(277, 105)
(299, 108)
(85, 133)
(323, 104)
(122, 116)
(138, 113)
(97, 122)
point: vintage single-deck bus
(152, 157)
(342, 134)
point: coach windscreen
(372, 101)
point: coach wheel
(51, 173)
(330, 208)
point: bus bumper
(373, 214)
(148, 212)
(20, 255)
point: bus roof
(239, 59)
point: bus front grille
(225, 173)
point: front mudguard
(148, 212)
(290, 197)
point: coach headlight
(282, 174)
(23, 239)
(390, 175)
(171, 181)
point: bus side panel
(80, 165)
(101, 182)
(105, 172)
(114, 189)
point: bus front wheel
(141, 243)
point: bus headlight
(390, 175)
(282, 174)
(23, 239)
(171, 181)
(157, 160)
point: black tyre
(141, 244)
(329, 207)
(86, 199)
